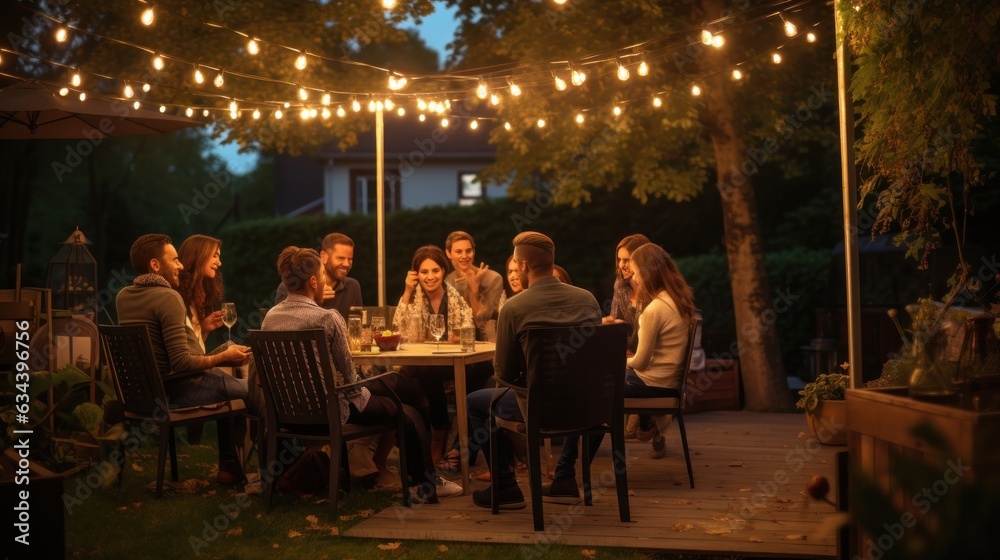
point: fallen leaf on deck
(348, 517)
(631, 492)
(293, 534)
(795, 537)
(442, 548)
(736, 464)
(312, 519)
(755, 539)
(783, 500)
(717, 531)
(390, 546)
(744, 489)
(366, 513)
(460, 516)
(588, 552)
(235, 532)
(720, 517)
(681, 527)
(681, 502)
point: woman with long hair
(666, 308)
(511, 282)
(201, 286)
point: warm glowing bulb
(718, 41)
(256, 114)
(83, 96)
(204, 113)
(494, 99)
(444, 122)
(252, 46)
(278, 114)
(355, 106)
(578, 77)
(300, 62)
(303, 94)
(64, 92)
(579, 118)
(163, 109)
(506, 126)
(146, 88)
(189, 112)
(790, 29)
(695, 90)
(811, 37)
(128, 91)
(560, 83)
(325, 100)
(737, 74)
(341, 112)
(158, 62)
(371, 106)
(135, 105)
(304, 114)
(776, 58)
(560, 2)
(401, 111)
(481, 91)
(474, 125)
(219, 80)
(657, 102)
(421, 118)
(379, 106)
(61, 35)
(643, 69)
(233, 107)
(286, 104)
(148, 16)
(515, 90)
(388, 4)
(421, 105)
(623, 73)
(389, 104)
(617, 111)
(706, 37)
(198, 76)
(313, 112)
(541, 123)
(76, 80)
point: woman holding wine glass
(425, 294)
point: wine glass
(229, 317)
(436, 327)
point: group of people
(176, 293)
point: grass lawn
(131, 523)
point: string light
(304, 114)
(76, 80)
(64, 91)
(643, 69)
(83, 96)
(158, 62)
(737, 74)
(341, 112)
(219, 80)
(444, 122)
(560, 84)
(146, 88)
(300, 62)
(706, 37)
(657, 102)
(204, 113)
(136, 105)
(233, 106)
(256, 114)
(389, 104)
(481, 91)
(622, 73)
(371, 106)
(61, 35)
(278, 114)
(421, 118)
(541, 123)
(355, 106)
(401, 111)
(579, 118)
(514, 89)
(252, 46)
(474, 124)
(617, 111)
(163, 108)
(421, 104)
(578, 77)
(695, 90)
(811, 37)
(396, 84)
(790, 28)
(325, 100)
(148, 16)
(189, 112)
(776, 58)
(313, 112)
(388, 4)
(286, 104)
(303, 94)
(506, 126)
(494, 99)
(128, 91)
(199, 78)
(718, 41)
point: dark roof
(406, 135)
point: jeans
(213, 387)
(479, 430)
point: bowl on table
(387, 343)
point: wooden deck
(750, 472)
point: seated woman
(560, 273)
(425, 293)
(666, 305)
(511, 282)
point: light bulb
(811, 37)
(371, 106)
(622, 73)
(233, 107)
(146, 88)
(506, 126)
(481, 91)
(256, 114)
(148, 16)
(341, 112)
(444, 122)
(313, 112)
(64, 92)
(706, 37)
(128, 91)
(494, 99)
(286, 104)
(579, 118)
(83, 96)
(776, 58)
(76, 80)
(253, 47)
(617, 111)
(61, 35)
(204, 113)
(389, 104)
(421, 118)
(278, 114)
(695, 90)
(401, 111)
(158, 62)
(379, 106)
(737, 74)
(388, 4)
(560, 2)
(560, 83)
(300, 62)
(135, 105)
(541, 123)
(325, 100)
(474, 125)
(189, 112)
(718, 41)
(578, 77)
(657, 102)
(515, 90)
(355, 106)
(199, 78)
(304, 114)
(643, 69)
(790, 29)
(303, 94)
(219, 80)
(163, 109)
(421, 104)
(447, 103)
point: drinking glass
(378, 324)
(354, 333)
(436, 328)
(229, 317)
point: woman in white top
(666, 305)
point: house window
(364, 194)
(470, 189)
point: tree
(668, 151)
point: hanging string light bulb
(313, 112)
(388, 4)
(623, 73)
(494, 99)
(515, 90)
(204, 113)
(421, 104)
(401, 111)
(341, 112)
(506, 126)
(199, 78)
(474, 124)
(811, 37)
(560, 84)
(256, 114)
(136, 105)
(643, 69)
(422, 117)
(355, 106)
(278, 114)
(147, 17)
(657, 102)
(578, 77)
(146, 88)
(737, 75)
(128, 91)
(579, 118)
(325, 113)
(541, 123)
(776, 58)
(325, 100)
(389, 104)
(718, 41)
(695, 90)
(303, 94)
(233, 106)
(76, 80)
(481, 91)
(371, 106)
(304, 114)
(61, 35)
(252, 47)
(219, 80)
(163, 108)
(189, 112)
(790, 28)
(300, 62)
(617, 111)
(158, 62)
(64, 91)
(706, 37)
(396, 83)
(83, 96)
(445, 122)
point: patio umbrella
(32, 109)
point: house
(425, 164)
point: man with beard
(342, 292)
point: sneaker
(510, 497)
(424, 493)
(446, 488)
(643, 434)
(659, 447)
(562, 490)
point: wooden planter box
(717, 387)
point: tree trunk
(757, 338)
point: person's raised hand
(211, 322)
(475, 274)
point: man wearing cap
(545, 302)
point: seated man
(342, 292)
(152, 300)
(303, 273)
(545, 302)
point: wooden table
(427, 354)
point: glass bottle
(367, 338)
(467, 335)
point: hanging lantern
(72, 277)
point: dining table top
(445, 352)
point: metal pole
(849, 189)
(380, 200)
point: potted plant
(826, 410)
